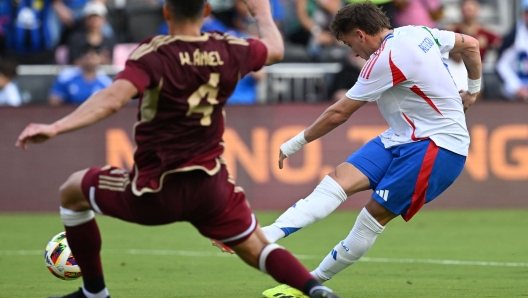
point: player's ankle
(273, 233)
(319, 276)
(95, 288)
(312, 285)
(101, 294)
(94, 285)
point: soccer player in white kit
(411, 163)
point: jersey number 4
(209, 90)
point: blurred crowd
(89, 33)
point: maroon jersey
(184, 83)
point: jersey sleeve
(143, 70)
(377, 75)
(445, 40)
(256, 56)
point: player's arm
(468, 48)
(332, 117)
(99, 106)
(269, 33)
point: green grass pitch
(437, 254)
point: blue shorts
(406, 177)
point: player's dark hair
(364, 16)
(186, 9)
(8, 68)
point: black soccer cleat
(323, 293)
(78, 294)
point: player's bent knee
(70, 192)
(378, 212)
(350, 178)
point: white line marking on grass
(186, 253)
(21, 252)
(176, 253)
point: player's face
(355, 40)
(470, 10)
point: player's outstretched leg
(369, 224)
(83, 237)
(280, 264)
(326, 197)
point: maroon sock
(85, 243)
(285, 268)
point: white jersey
(414, 90)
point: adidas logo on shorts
(384, 194)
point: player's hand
(35, 133)
(281, 159)
(467, 98)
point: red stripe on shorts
(420, 189)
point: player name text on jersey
(201, 58)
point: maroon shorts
(212, 204)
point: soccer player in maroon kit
(183, 81)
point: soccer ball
(59, 259)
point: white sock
(102, 294)
(74, 218)
(348, 251)
(326, 197)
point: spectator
(92, 33)
(9, 95)
(417, 12)
(472, 27)
(512, 65)
(71, 14)
(31, 32)
(75, 85)
(4, 21)
(311, 30)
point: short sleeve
(143, 71)
(377, 76)
(256, 58)
(445, 40)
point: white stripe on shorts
(92, 200)
(245, 233)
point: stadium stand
(143, 20)
(297, 78)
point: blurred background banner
(496, 172)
